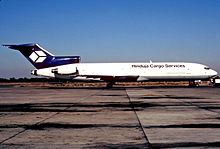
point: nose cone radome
(213, 73)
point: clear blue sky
(111, 31)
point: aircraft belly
(170, 78)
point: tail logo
(38, 56)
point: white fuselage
(142, 71)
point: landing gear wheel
(110, 84)
(193, 84)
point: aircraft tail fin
(41, 58)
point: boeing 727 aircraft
(69, 67)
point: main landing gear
(110, 84)
(194, 83)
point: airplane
(70, 67)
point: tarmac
(144, 117)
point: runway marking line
(148, 145)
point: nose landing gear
(194, 83)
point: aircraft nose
(214, 73)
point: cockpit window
(207, 68)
